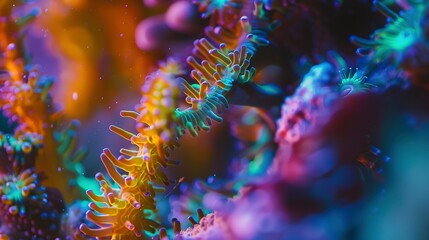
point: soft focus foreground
(232, 119)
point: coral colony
(311, 138)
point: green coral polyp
(215, 76)
(402, 31)
(353, 82)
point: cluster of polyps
(121, 206)
(402, 31)
(215, 77)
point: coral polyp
(122, 210)
(400, 33)
(27, 102)
(18, 154)
(215, 76)
(24, 92)
(16, 188)
(353, 81)
(29, 209)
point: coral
(24, 94)
(331, 168)
(159, 126)
(308, 107)
(353, 82)
(18, 154)
(121, 212)
(398, 42)
(29, 209)
(209, 226)
(243, 30)
(26, 101)
(215, 77)
(402, 31)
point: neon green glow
(13, 190)
(404, 39)
(220, 3)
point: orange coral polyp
(135, 193)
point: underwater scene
(214, 119)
